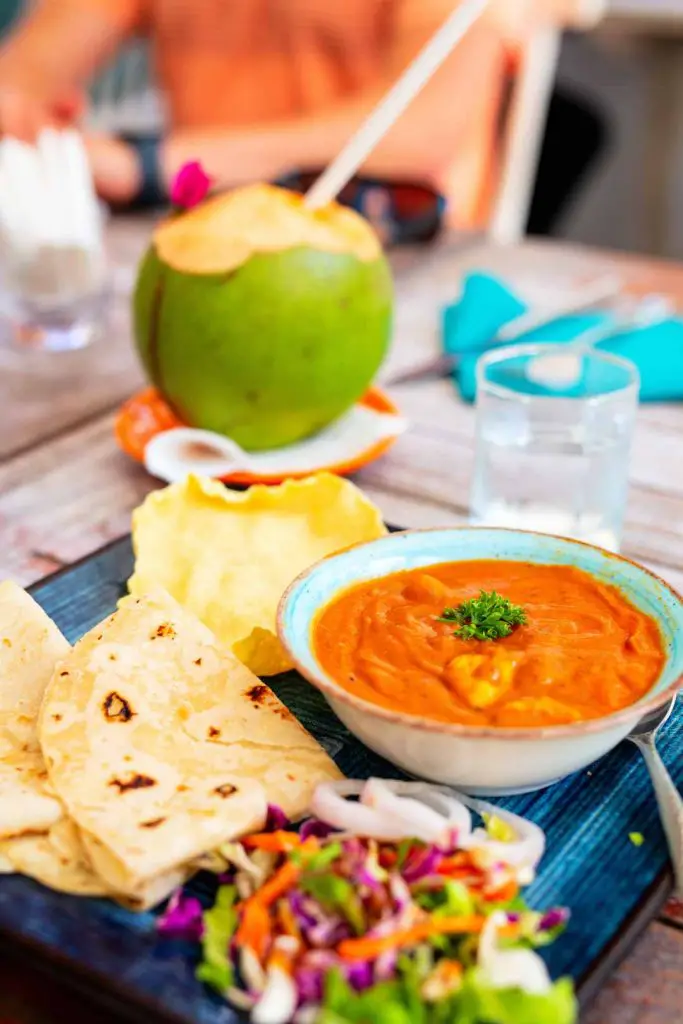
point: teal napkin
(487, 303)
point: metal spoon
(669, 799)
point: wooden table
(65, 489)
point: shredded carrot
(278, 884)
(505, 893)
(457, 873)
(286, 920)
(371, 948)
(273, 842)
(459, 865)
(508, 931)
(282, 960)
(280, 842)
(254, 930)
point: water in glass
(552, 463)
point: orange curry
(585, 651)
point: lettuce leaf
(220, 923)
(482, 1004)
(399, 1002)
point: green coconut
(260, 319)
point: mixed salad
(386, 907)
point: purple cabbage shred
(421, 863)
(359, 975)
(314, 827)
(302, 910)
(309, 984)
(276, 819)
(554, 918)
(182, 918)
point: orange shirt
(241, 63)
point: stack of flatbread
(129, 756)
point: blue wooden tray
(613, 888)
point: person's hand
(114, 167)
(25, 108)
(23, 116)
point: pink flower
(190, 186)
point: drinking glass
(553, 439)
(53, 297)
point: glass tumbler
(554, 427)
(54, 297)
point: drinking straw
(391, 106)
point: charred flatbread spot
(165, 629)
(154, 823)
(213, 732)
(258, 694)
(226, 790)
(117, 707)
(182, 788)
(292, 778)
(197, 661)
(112, 657)
(64, 673)
(135, 781)
(57, 718)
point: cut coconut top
(223, 233)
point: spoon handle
(670, 807)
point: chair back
(525, 125)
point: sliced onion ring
(524, 851)
(390, 810)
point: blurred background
(630, 72)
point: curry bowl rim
(333, 690)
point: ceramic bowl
(487, 761)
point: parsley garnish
(487, 617)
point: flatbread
(228, 556)
(61, 859)
(30, 646)
(57, 859)
(162, 745)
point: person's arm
(427, 135)
(47, 60)
(419, 144)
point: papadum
(228, 556)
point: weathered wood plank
(65, 499)
(648, 987)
